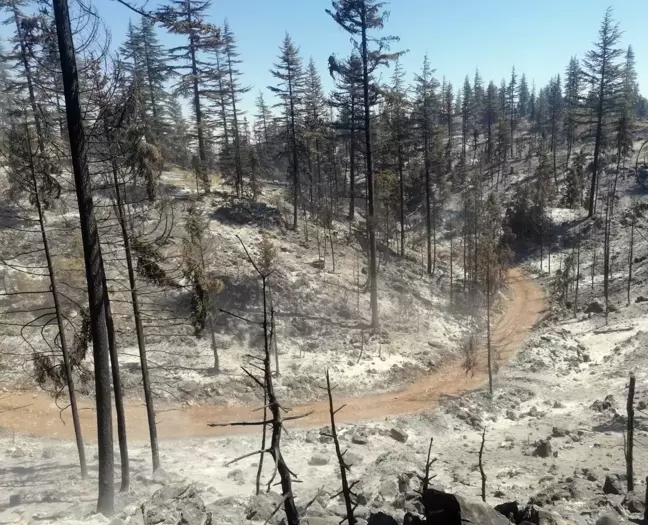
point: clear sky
(537, 36)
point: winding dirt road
(36, 413)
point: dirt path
(39, 415)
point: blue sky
(537, 36)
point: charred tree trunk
(344, 467)
(61, 327)
(119, 393)
(92, 255)
(630, 439)
(139, 330)
(631, 257)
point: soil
(39, 416)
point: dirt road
(36, 413)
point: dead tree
(92, 254)
(630, 438)
(36, 197)
(276, 422)
(481, 466)
(578, 250)
(347, 489)
(631, 254)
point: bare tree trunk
(481, 466)
(264, 432)
(92, 255)
(578, 249)
(119, 394)
(139, 329)
(630, 439)
(61, 326)
(292, 514)
(631, 257)
(488, 328)
(344, 467)
(373, 266)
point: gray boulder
(399, 435)
(608, 519)
(612, 484)
(543, 449)
(442, 508)
(261, 506)
(595, 307)
(380, 518)
(175, 504)
(634, 503)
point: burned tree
(277, 420)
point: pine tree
(348, 99)
(467, 116)
(359, 18)
(290, 90)
(263, 126)
(187, 18)
(236, 90)
(572, 104)
(511, 106)
(602, 70)
(156, 73)
(314, 126)
(555, 108)
(489, 118)
(523, 97)
(425, 115)
(399, 139)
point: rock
(318, 460)
(352, 459)
(595, 307)
(325, 435)
(320, 264)
(388, 490)
(399, 435)
(509, 510)
(444, 508)
(612, 485)
(117, 521)
(543, 449)
(175, 504)
(380, 518)
(261, 506)
(324, 520)
(608, 519)
(510, 414)
(188, 387)
(359, 438)
(558, 404)
(641, 299)
(634, 503)
(403, 483)
(601, 406)
(237, 476)
(49, 452)
(18, 453)
(15, 500)
(533, 411)
(559, 432)
(538, 516)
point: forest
(126, 164)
